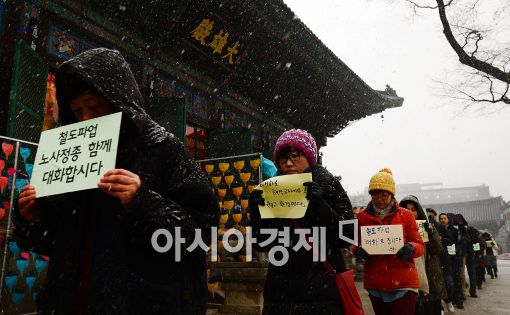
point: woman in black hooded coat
(101, 257)
(302, 286)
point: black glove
(428, 227)
(362, 255)
(256, 199)
(314, 190)
(406, 252)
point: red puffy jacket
(387, 272)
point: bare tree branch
(416, 5)
(464, 58)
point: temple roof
(282, 68)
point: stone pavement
(493, 299)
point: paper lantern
(255, 164)
(221, 193)
(25, 153)
(229, 179)
(228, 204)
(237, 191)
(223, 167)
(3, 182)
(237, 217)
(216, 180)
(7, 148)
(11, 279)
(223, 217)
(245, 177)
(238, 165)
(244, 203)
(209, 168)
(251, 188)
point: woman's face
(412, 207)
(293, 162)
(90, 105)
(380, 198)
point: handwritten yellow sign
(382, 239)
(284, 196)
(421, 229)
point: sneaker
(450, 307)
(473, 295)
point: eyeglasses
(293, 157)
(380, 194)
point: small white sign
(74, 157)
(382, 239)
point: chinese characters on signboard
(74, 157)
(216, 40)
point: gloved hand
(314, 191)
(406, 252)
(256, 199)
(362, 255)
(428, 227)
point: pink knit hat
(298, 139)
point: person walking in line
(99, 240)
(391, 280)
(474, 255)
(302, 286)
(429, 301)
(447, 259)
(458, 235)
(491, 252)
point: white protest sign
(382, 239)
(285, 196)
(421, 229)
(74, 157)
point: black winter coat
(302, 286)
(126, 275)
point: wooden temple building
(246, 70)
(227, 77)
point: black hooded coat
(302, 286)
(437, 286)
(473, 236)
(90, 236)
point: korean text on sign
(285, 196)
(382, 239)
(74, 157)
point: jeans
(403, 306)
(471, 268)
(450, 287)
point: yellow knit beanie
(383, 181)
